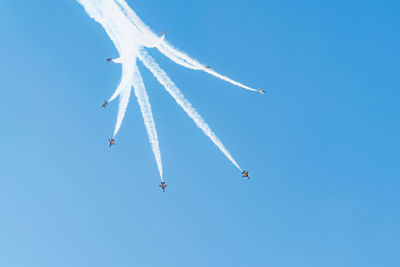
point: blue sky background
(322, 145)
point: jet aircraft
(111, 141)
(245, 174)
(163, 186)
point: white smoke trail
(157, 42)
(171, 52)
(95, 10)
(146, 36)
(168, 50)
(150, 40)
(178, 57)
(118, 27)
(124, 90)
(127, 38)
(123, 105)
(121, 31)
(122, 35)
(129, 35)
(229, 80)
(126, 78)
(171, 88)
(145, 107)
(186, 61)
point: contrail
(146, 36)
(123, 105)
(130, 37)
(126, 78)
(174, 91)
(188, 62)
(229, 80)
(169, 51)
(143, 99)
(127, 39)
(149, 39)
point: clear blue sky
(322, 145)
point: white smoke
(130, 36)
(168, 50)
(145, 107)
(123, 105)
(174, 91)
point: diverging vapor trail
(123, 105)
(174, 91)
(179, 57)
(126, 77)
(184, 60)
(145, 108)
(131, 36)
(124, 91)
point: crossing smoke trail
(171, 88)
(130, 36)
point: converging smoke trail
(124, 90)
(174, 91)
(126, 78)
(146, 36)
(118, 27)
(186, 61)
(173, 53)
(145, 107)
(169, 51)
(149, 39)
(123, 105)
(130, 37)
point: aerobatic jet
(105, 104)
(109, 60)
(245, 174)
(261, 91)
(164, 33)
(111, 141)
(163, 186)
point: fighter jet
(109, 60)
(208, 67)
(164, 33)
(105, 104)
(261, 91)
(111, 141)
(163, 186)
(245, 174)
